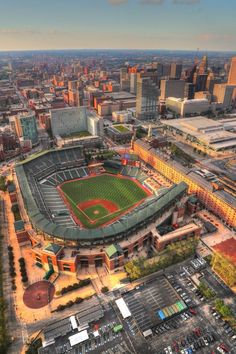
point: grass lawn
(121, 128)
(124, 193)
(77, 135)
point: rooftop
(228, 198)
(19, 225)
(53, 248)
(199, 123)
(205, 130)
(121, 95)
(113, 249)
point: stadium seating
(135, 172)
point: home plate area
(97, 208)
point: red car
(197, 331)
(223, 346)
(192, 311)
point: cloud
(155, 2)
(29, 32)
(186, 2)
(117, 2)
(217, 37)
(152, 2)
(12, 31)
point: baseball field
(99, 200)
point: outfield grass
(125, 193)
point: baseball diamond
(98, 200)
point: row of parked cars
(225, 325)
(198, 263)
(179, 290)
(193, 342)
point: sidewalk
(14, 327)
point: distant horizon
(119, 49)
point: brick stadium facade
(214, 201)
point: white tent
(124, 310)
(73, 322)
(78, 338)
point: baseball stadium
(90, 213)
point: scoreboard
(130, 160)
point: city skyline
(118, 24)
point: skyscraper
(124, 79)
(202, 69)
(175, 70)
(200, 81)
(24, 125)
(147, 96)
(133, 83)
(232, 72)
(172, 88)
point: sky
(118, 24)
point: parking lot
(198, 329)
(145, 301)
(101, 335)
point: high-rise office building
(72, 120)
(200, 81)
(166, 69)
(189, 90)
(124, 80)
(211, 81)
(232, 72)
(133, 83)
(172, 88)
(203, 66)
(175, 70)
(24, 125)
(189, 73)
(224, 94)
(158, 68)
(147, 96)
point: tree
(60, 307)
(21, 260)
(222, 308)
(24, 279)
(104, 289)
(224, 268)
(15, 208)
(3, 186)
